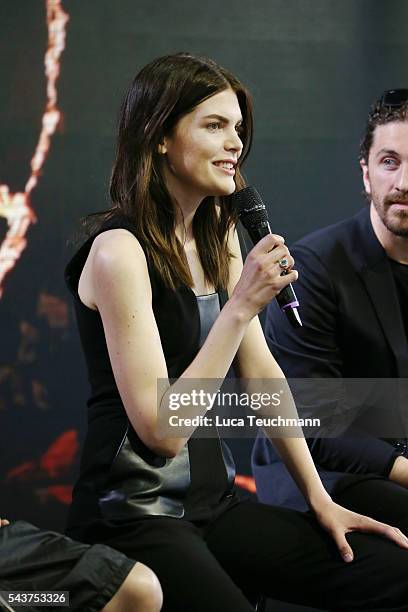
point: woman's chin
(225, 190)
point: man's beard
(396, 222)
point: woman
(148, 285)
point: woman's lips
(228, 171)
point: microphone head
(251, 210)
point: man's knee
(145, 587)
(140, 591)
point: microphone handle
(286, 298)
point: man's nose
(402, 180)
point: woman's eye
(239, 129)
(215, 125)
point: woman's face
(203, 150)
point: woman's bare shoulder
(115, 260)
(116, 250)
(116, 241)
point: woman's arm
(255, 361)
(120, 290)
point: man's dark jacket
(352, 328)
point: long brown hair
(160, 95)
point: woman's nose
(233, 142)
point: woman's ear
(162, 148)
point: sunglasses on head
(394, 97)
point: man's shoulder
(335, 238)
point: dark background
(314, 67)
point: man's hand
(4, 522)
(399, 472)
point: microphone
(254, 218)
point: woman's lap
(190, 575)
(286, 555)
(274, 551)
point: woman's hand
(261, 278)
(338, 521)
(4, 522)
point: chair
(5, 605)
(260, 605)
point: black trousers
(281, 553)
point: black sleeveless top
(121, 479)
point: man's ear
(366, 176)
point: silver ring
(284, 263)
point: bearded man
(353, 291)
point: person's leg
(140, 592)
(32, 559)
(286, 555)
(374, 496)
(191, 578)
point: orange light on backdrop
(16, 207)
(45, 470)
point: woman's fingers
(278, 253)
(343, 546)
(339, 521)
(268, 243)
(271, 250)
(368, 525)
(290, 276)
(284, 263)
(397, 536)
(389, 532)
(4, 522)
(267, 270)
